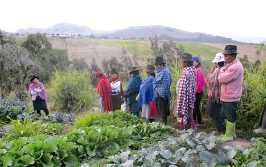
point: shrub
(252, 100)
(72, 90)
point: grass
(135, 47)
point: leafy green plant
(72, 90)
(10, 109)
(252, 156)
(86, 119)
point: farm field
(104, 48)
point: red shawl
(104, 90)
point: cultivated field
(100, 49)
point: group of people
(152, 95)
(224, 91)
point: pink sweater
(200, 80)
(231, 79)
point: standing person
(146, 94)
(132, 91)
(199, 91)
(231, 80)
(104, 90)
(186, 92)
(214, 90)
(38, 95)
(117, 90)
(161, 85)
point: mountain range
(137, 32)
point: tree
(79, 64)
(94, 65)
(16, 66)
(37, 43)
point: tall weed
(73, 91)
(252, 100)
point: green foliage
(36, 43)
(15, 66)
(28, 128)
(52, 60)
(253, 156)
(38, 151)
(117, 118)
(252, 100)
(10, 109)
(80, 64)
(86, 119)
(72, 90)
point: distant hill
(138, 32)
(60, 28)
(165, 33)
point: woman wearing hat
(199, 90)
(214, 90)
(104, 90)
(117, 90)
(186, 92)
(146, 94)
(38, 96)
(132, 91)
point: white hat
(219, 57)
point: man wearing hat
(132, 91)
(231, 80)
(161, 84)
(186, 92)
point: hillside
(164, 33)
(60, 28)
(100, 49)
(137, 32)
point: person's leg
(162, 106)
(229, 109)
(46, 111)
(39, 112)
(197, 113)
(189, 119)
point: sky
(229, 18)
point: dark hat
(186, 57)
(159, 60)
(113, 71)
(150, 69)
(133, 70)
(230, 50)
(33, 77)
